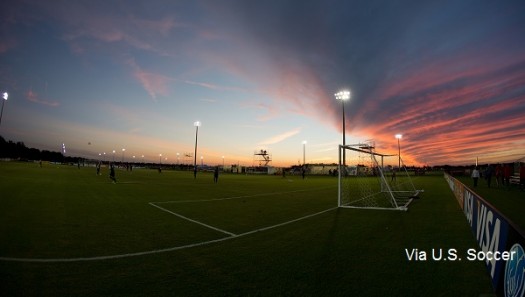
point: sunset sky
(105, 75)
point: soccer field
(67, 231)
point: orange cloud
(452, 119)
(34, 97)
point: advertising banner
(500, 241)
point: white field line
(111, 257)
(151, 252)
(239, 197)
(191, 220)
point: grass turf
(64, 212)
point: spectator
(522, 176)
(488, 174)
(499, 175)
(475, 176)
(506, 175)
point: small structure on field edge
(264, 157)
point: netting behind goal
(364, 182)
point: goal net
(365, 182)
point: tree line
(19, 151)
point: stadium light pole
(4, 96)
(197, 125)
(304, 152)
(399, 136)
(222, 162)
(123, 150)
(343, 96)
(160, 160)
(113, 156)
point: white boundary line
(231, 235)
(238, 197)
(191, 220)
(111, 257)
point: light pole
(123, 150)
(343, 96)
(304, 152)
(197, 125)
(178, 158)
(4, 96)
(113, 156)
(399, 136)
(223, 163)
(160, 160)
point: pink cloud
(449, 112)
(153, 83)
(280, 137)
(34, 97)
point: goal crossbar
(380, 195)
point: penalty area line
(192, 220)
(128, 255)
(240, 197)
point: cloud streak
(280, 137)
(36, 98)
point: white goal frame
(399, 199)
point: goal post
(365, 182)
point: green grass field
(67, 232)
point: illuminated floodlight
(4, 95)
(342, 95)
(398, 137)
(304, 152)
(197, 125)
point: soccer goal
(365, 182)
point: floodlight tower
(197, 125)
(343, 96)
(304, 152)
(123, 150)
(4, 96)
(399, 136)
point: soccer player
(216, 174)
(112, 174)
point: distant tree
(18, 150)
